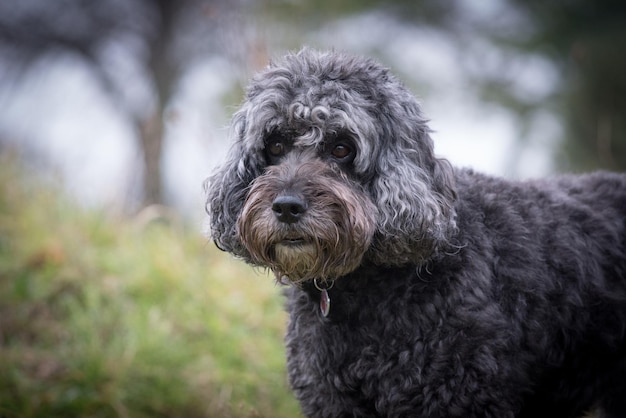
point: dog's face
(331, 164)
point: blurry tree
(138, 50)
(587, 41)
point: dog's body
(526, 319)
(420, 290)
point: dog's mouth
(293, 242)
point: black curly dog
(419, 289)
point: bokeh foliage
(105, 317)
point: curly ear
(414, 191)
(226, 190)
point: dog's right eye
(275, 149)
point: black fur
(527, 318)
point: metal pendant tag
(324, 303)
(324, 297)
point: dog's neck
(340, 299)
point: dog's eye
(275, 149)
(342, 152)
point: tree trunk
(152, 129)
(151, 137)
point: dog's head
(332, 163)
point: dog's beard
(295, 261)
(327, 243)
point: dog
(415, 288)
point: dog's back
(558, 251)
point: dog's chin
(299, 260)
(294, 251)
(294, 260)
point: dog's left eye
(342, 152)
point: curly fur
(455, 294)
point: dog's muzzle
(307, 222)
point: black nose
(288, 208)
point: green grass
(104, 317)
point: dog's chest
(368, 338)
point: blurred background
(110, 107)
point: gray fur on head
(312, 96)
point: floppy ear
(227, 188)
(414, 191)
